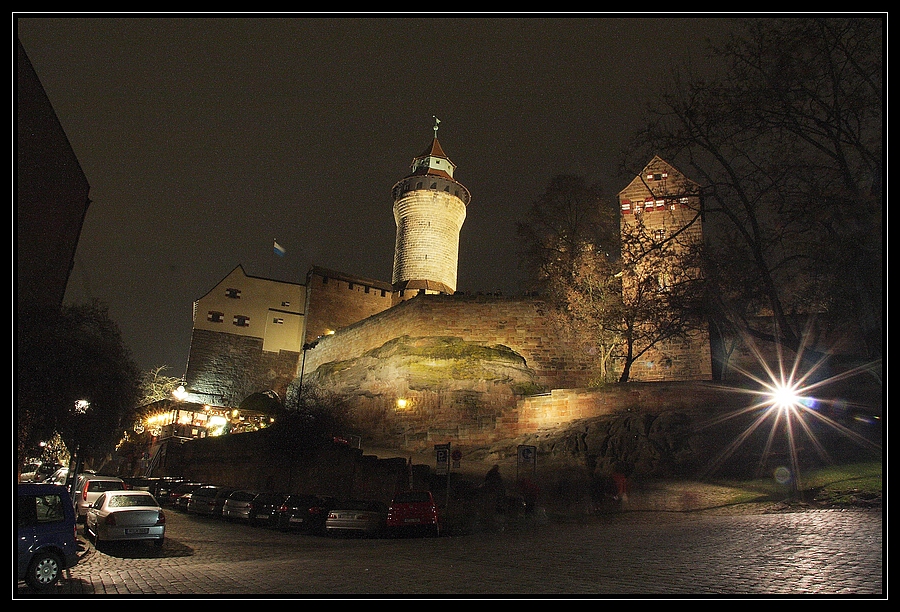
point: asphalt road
(674, 555)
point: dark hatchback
(264, 508)
(304, 512)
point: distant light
(180, 393)
(401, 403)
(81, 406)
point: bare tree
(787, 142)
(662, 289)
(567, 218)
(156, 386)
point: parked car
(89, 487)
(46, 534)
(178, 491)
(413, 512)
(360, 516)
(181, 504)
(265, 508)
(164, 486)
(125, 515)
(141, 483)
(304, 512)
(60, 476)
(208, 500)
(46, 470)
(29, 472)
(238, 505)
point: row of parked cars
(126, 509)
(409, 511)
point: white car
(125, 515)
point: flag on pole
(279, 250)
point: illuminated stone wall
(226, 368)
(518, 323)
(336, 300)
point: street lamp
(306, 347)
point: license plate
(137, 531)
(411, 520)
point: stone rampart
(518, 323)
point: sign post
(526, 458)
(442, 467)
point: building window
(324, 280)
(350, 286)
(233, 293)
(286, 304)
(215, 317)
(382, 293)
(278, 321)
(241, 320)
(659, 235)
(367, 288)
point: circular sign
(456, 455)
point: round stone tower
(429, 210)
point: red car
(414, 511)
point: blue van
(46, 534)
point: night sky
(204, 139)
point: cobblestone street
(819, 552)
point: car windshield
(105, 485)
(124, 501)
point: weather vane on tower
(436, 123)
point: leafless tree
(788, 144)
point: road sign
(442, 458)
(527, 458)
(527, 454)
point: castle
(253, 334)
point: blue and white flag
(279, 250)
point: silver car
(364, 517)
(238, 505)
(125, 515)
(89, 487)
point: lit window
(278, 321)
(241, 320)
(286, 304)
(215, 317)
(233, 293)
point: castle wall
(337, 300)
(518, 323)
(225, 368)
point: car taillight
(315, 510)
(84, 490)
(110, 519)
(161, 519)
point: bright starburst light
(788, 403)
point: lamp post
(306, 347)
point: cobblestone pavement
(668, 554)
